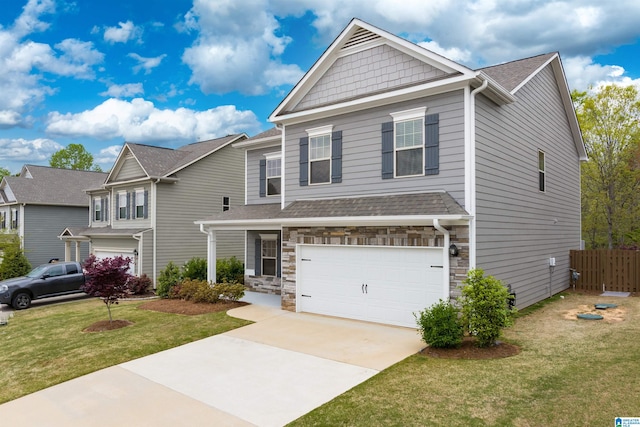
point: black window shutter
(117, 215)
(105, 214)
(431, 144)
(278, 257)
(263, 178)
(102, 202)
(387, 150)
(146, 204)
(304, 161)
(128, 205)
(258, 257)
(336, 157)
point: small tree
(168, 278)
(485, 309)
(107, 279)
(14, 262)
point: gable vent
(361, 36)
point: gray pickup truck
(46, 280)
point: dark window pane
(273, 186)
(541, 179)
(409, 162)
(268, 267)
(320, 171)
(139, 211)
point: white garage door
(372, 283)
(101, 253)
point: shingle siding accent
(518, 227)
(373, 70)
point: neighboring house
(146, 207)
(41, 200)
(395, 170)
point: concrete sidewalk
(265, 374)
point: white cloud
(128, 90)
(124, 32)
(31, 150)
(107, 156)
(139, 120)
(582, 73)
(454, 54)
(233, 53)
(147, 64)
(29, 20)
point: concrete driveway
(266, 374)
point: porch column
(211, 256)
(77, 250)
(67, 250)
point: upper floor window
(541, 171)
(274, 172)
(97, 209)
(410, 144)
(226, 203)
(140, 203)
(122, 205)
(321, 156)
(14, 219)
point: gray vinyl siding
(362, 158)
(518, 227)
(130, 170)
(253, 176)
(355, 75)
(197, 195)
(43, 225)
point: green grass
(45, 346)
(569, 373)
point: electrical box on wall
(552, 262)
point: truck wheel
(21, 301)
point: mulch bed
(469, 350)
(105, 325)
(189, 308)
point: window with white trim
(3, 220)
(139, 203)
(97, 209)
(320, 155)
(274, 174)
(408, 144)
(14, 219)
(122, 205)
(541, 171)
(269, 254)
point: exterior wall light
(453, 250)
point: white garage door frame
(110, 253)
(395, 280)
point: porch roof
(85, 232)
(414, 208)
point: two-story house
(39, 201)
(146, 207)
(393, 170)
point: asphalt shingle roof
(51, 186)
(510, 74)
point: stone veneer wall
(264, 284)
(370, 236)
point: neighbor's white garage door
(372, 283)
(101, 253)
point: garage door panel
(398, 281)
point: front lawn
(569, 373)
(46, 345)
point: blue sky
(170, 72)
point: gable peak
(360, 36)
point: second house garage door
(372, 283)
(102, 253)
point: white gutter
(283, 187)
(446, 274)
(470, 169)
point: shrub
(195, 268)
(485, 308)
(229, 291)
(139, 285)
(197, 291)
(167, 279)
(14, 262)
(229, 270)
(440, 325)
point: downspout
(283, 170)
(154, 214)
(446, 274)
(472, 172)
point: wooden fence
(609, 270)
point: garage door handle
(437, 266)
(362, 287)
(306, 296)
(305, 259)
(366, 288)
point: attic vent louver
(359, 37)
